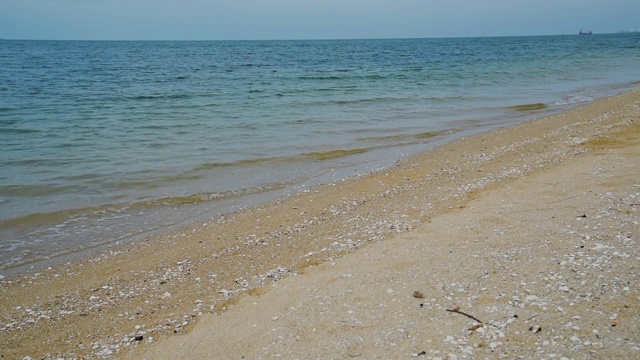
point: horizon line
(315, 39)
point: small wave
(373, 77)
(333, 154)
(36, 162)
(80, 177)
(75, 143)
(430, 134)
(452, 98)
(408, 138)
(319, 89)
(303, 121)
(156, 182)
(368, 100)
(528, 107)
(571, 100)
(57, 217)
(156, 127)
(198, 198)
(211, 166)
(19, 131)
(403, 138)
(178, 200)
(32, 190)
(317, 155)
(353, 77)
(64, 218)
(162, 97)
(399, 99)
(321, 78)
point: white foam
(574, 99)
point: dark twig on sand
(457, 311)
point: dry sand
(521, 242)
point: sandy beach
(519, 242)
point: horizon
(252, 20)
(321, 39)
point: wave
(244, 162)
(455, 99)
(102, 213)
(339, 89)
(572, 100)
(37, 162)
(195, 199)
(321, 78)
(162, 97)
(333, 154)
(388, 138)
(19, 131)
(106, 182)
(303, 121)
(156, 182)
(365, 100)
(53, 218)
(408, 138)
(343, 77)
(32, 190)
(528, 107)
(159, 127)
(314, 155)
(75, 143)
(431, 134)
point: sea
(106, 142)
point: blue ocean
(106, 142)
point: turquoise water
(108, 141)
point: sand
(520, 242)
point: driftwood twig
(457, 311)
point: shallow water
(105, 141)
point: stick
(457, 311)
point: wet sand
(521, 242)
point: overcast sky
(307, 19)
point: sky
(308, 19)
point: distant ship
(584, 32)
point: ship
(584, 32)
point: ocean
(108, 142)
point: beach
(518, 242)
(164, 134)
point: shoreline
(372, 160)
(218, 126)
(163, 285)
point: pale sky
(308, 19)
